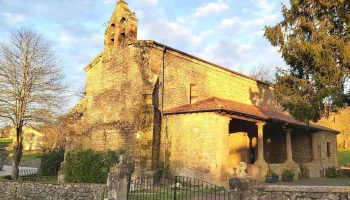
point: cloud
(265, 6)
(152, 1)
(13, 18)
(95, 39)
(108, 1)
(227, 23)
(66, 39)
(211, 8)
(240, 57)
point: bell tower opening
(122, 28)
(112, 29)
(122, 25)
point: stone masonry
(10, 190)
(131, 84)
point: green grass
(344, 156)
(4, 142)
(31, 156)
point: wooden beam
(242, 118)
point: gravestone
(118, 180)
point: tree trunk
(17, 155)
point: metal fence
(27, 172)
(37, 172)
(176, 188)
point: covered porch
(272, 145)
(211, 137)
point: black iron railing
(176, 188)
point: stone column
(260, 163)
(289, 146)
(315, 150)
(222, 154)
(260, 143)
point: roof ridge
(217, 102)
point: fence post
(175, 187)
(118, 181)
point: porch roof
(215, 104)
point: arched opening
(112, 28)
(122, 25)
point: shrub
(51, 162)
(332, 172)
(88, 166)
(288, 172)
(271, 172)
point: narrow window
(122, 25)
(328, 149)
(112, 32)
(193, 93)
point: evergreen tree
(314, 39)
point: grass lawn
(31, 156)
(344, 156)
(4, 142)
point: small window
(328, 149)
(193, 93)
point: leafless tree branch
(31, 84)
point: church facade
(193, 118)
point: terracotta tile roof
(215, 104)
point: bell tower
(122, 27)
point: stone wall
(301, 146)
(196, 149)
(328, 160)
(117, 111)
(181, 71)
(10, 190)
(297, 192)
(249, 189)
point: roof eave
(248, 116)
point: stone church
(190, 117)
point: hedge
(51, 162)
(88, 166)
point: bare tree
(262, 73)
(31, 84)
(55, 132)
(81, 91)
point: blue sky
(225, 32)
